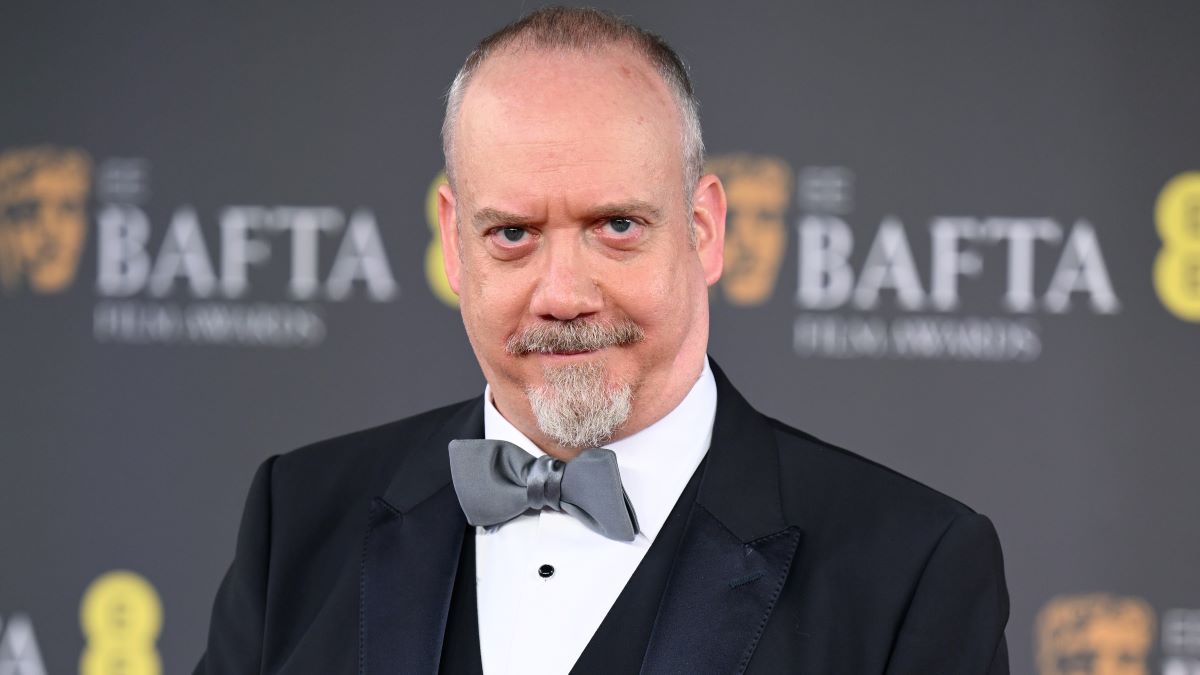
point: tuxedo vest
(619, 644)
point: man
(702, 537)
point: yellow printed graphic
(435, 272)
(43, 219)
(758, 190)
(1094, 633)
(121, 616)
(1177, 267)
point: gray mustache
(573, 336)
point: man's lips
(569, 353)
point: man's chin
(578, 403)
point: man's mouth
(570, 352)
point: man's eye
(512, 234)
(620, 225)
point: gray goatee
(577, 407)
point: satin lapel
(735, 553)
(410, 556)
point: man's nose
(566, 288)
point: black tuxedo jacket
(795, 557)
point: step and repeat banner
(964, 241)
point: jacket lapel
(410, 556)
(734, 557)
(735, 554)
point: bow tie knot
(497, 481)
(543, 484)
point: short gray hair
(586, 29)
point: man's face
(44, 226)
(569, 207)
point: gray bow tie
(497, 481)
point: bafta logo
(43, 220)
(759, 191)
(1096, 634)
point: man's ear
(708, 217)
(448, 227)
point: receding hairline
(587, 31)
(524, 47)
(522, 75)
(581, 29)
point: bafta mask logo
(1095, 634)
(43, 219)
(759, 191)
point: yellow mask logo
(759, 191)
(43, 216)
(1096, 634)
(121, 616)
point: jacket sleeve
(235, 633)
(955, 620)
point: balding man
(610, 504)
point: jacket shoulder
(826, 486)
(888, 569)
(354, 464)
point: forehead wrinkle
(546, 156)
(607, 118)
(560, 131)
(558, 175)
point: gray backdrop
(962, 208)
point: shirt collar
(656, 462)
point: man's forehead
(546, 87)
(566, 130)
(532, 64)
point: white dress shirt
(535, 625)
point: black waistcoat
(619, 643)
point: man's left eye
(620, 225)
(513, 235)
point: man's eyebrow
(493, 217)
(490, 217)
(632, 207)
